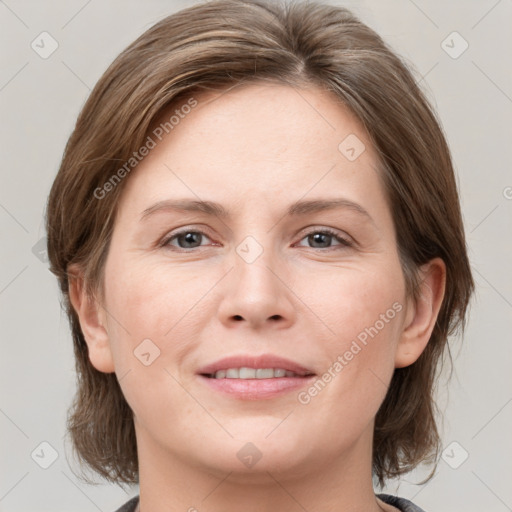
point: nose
(257, 294)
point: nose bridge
(253, 262)
(256, 294)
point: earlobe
(92, 322)
(422, 315)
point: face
(301, 265)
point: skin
(256, 149)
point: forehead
(281, 116)
(255, 138)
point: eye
(191, 239)
(324, 237)
(187, 239)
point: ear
(421, 315)
(92, 322)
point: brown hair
(224, 43)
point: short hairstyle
(210, 47)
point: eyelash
(344, 243)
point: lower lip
(257, 389)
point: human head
(303, 44)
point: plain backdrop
(467, 76)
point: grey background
(39, 101)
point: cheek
(154, 323)
(350, 301)
(169, 304)
(363, 311)
(153, 297)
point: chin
(257, 453)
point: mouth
(254, 373)
(255, 377)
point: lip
(250, 361)
(256, 389)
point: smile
(253, 373)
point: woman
(257, 233)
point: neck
(337, 483)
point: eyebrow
(301, 207)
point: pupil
(317, 237)
(189, 237)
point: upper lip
(252, 361)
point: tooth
(265, 373)
(247, 373)
(253, 373)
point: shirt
(400, 503)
